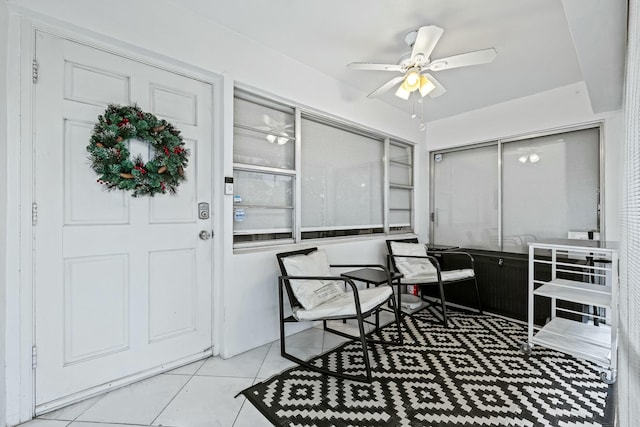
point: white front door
(122, 284)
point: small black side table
(373, 276)
(440, 248)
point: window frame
(499, 164)
(390, 186)
(267, 231)
(253, 168)
(301, 113)
(337, 231)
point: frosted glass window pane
(550, 187)
(342, 178)
(400, 174)
(267, 119)
(261, 219)
(400, 153)
(264, 189)
(263, 202)
(263, 136)
(252, 148)
(399, 218)
(399, 207)
(466, 198)
(399, 198)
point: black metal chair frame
(284, 284)
(441, 284)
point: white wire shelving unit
(584, 272)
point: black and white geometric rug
(471, 374)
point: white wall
(554, 109)
(253, 277)
(4, 25)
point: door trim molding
(20, 335)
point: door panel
(177, 106)
(96, 310)
(106, 207)
(171, 309)
(123, 284)
(178, 207)
(95, 86)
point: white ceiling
(534, 40)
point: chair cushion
(312, 293)
(412, 267)
(343, 305)
(446, 275)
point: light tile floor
(199, 394)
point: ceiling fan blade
(374, 67)
(439, 90)
(385, 87)
(463, 60)
(426, 41)
(269, 121)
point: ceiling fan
(415, 65)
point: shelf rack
(589, 276)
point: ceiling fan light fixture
(282, 140)
(426, 86)
(271, 138)
(411, 83)
(403, 92)
(412, 80)
(534, 158)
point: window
(550, 187)
(538, 188)
(400, 187)
(264, 171)
(342, 177)
(333, 187)
(465, 197)
(263, 206)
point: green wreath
(110, 157)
